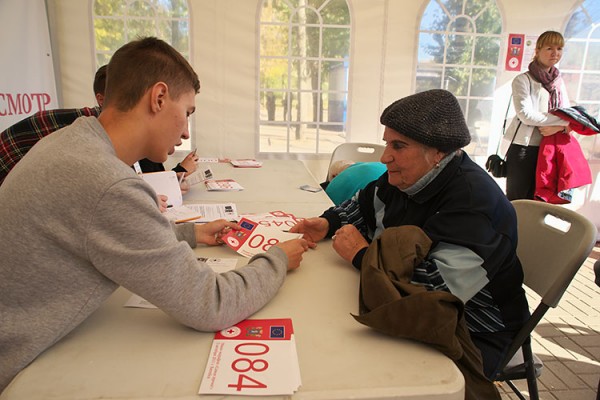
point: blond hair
(548, 38)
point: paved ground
(568, 342)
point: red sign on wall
(514, 52)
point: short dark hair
(100, 80)
(138, 65)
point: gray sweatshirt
(76, 223)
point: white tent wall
(224, 56)
(383, 59)
(224, 53)
(28, 83)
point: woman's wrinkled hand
(314, 230)
(348, 241)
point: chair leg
(515, 390)
(530, 370)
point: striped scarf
(550, 80)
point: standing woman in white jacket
(534, 93)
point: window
(459, 50)
(303, 74)
(117, 22)
(580, 67)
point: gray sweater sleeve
(129, 241)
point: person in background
(336, 168)
(433, 185)
(18, 139)
(534, 92)
(86, 223)
(348, 177)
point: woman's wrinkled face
(407, 160)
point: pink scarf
(550, 80)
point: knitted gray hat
(433, 118)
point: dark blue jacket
(463, 206)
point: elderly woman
(432, 184)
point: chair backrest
(358, 152)
(553, 243)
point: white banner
(28, 84)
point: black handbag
(495, 164)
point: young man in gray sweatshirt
(85, 223)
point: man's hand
(212, 232)
(294, 249)
(189, 162)
(162, 202)
(184, 185)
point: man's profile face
(172, 124)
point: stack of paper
(202, 213)
(246, 163)
(256, 357)
(222, 185)
(208, 160)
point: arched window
(304, 61)
(117, 22)
(580, 66)
(459, 50)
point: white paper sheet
(165, 183)
(253, 358)
(211, 212)
(201, 174)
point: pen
(187, 219)
(181, 177)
